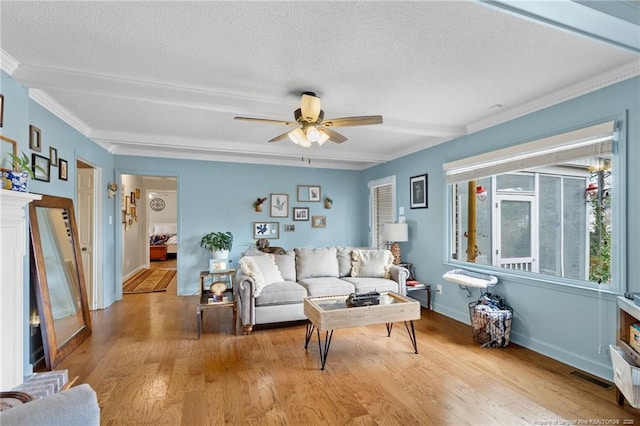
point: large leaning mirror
(56, 271)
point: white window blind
(382, 208)
(585, 142)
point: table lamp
(395, 233)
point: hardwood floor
(148, 367)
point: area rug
(149, 280)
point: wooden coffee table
(331, 313)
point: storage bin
(626, 375)
(491, 328)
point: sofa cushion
(326, 286)
(365, 285)
(287, 265)
(285, 292)
(316, 262)
(371, 263)
(344, 261)
(262, 269)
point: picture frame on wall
(53, 156)
(309, 193)
(266, 230)
(279, 205)
(63, 169)
(418, 190)
(42, 172)
(318, 221)
(289, 228)
(35, 139)
(132, 197)
(301, 213)
(1, 109)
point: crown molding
(624, 72)
(59, 111)
(8, 63)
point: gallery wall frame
(7, 146)
(301, 213)
(53, 156)
(309, 193)
(44, 172)
(63, 168)
(418, 191)
(318, 221)
(279, 205)
(266, 230)
(35, 138)
(1, 110)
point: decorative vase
(14, 181)
(220, 254)
(327, 205)
(259, 207)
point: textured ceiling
(167, 78)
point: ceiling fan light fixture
(322, 138)
(313, 134)
(297, 136)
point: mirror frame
(53, 352)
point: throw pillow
(262, 269)
(344, 261)
(316, 262)
(287, 265)
(371, 263)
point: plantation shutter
(382, 209)
(581, 143)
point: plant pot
(327, 205)
(14, 181)
(259, 208)
(220, 254)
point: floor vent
(591, 379)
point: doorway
(149, 231)
(89, 209)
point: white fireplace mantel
(12, 251)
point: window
(382, 207)
(541, 207)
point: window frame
(619, 220)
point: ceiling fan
(313, 126)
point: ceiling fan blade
(280, 137)
(266, 120)
(310, 107)
(364, 120)
(333, 136)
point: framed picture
(53, 156)
(279, 205)
(266, 230)
(289, 228)
(127, 207)
(134, 213)
(318, 221)
(124, 217)
(137, 193)
(39, 174)
(35, 141)
(62, 169)
(1, 109)
(7, 146)
(418, 189)
(301, 213)
(218, 265)
(132, 198)
(309, 193)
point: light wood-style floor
(148, 367)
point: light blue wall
(572, 325)
(20, 111)
(217, 196)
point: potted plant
(327, 202)
(218, 243)
(16, 179)
(257, 205)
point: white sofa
(271, 287)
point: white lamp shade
(396, 232)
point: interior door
(85, 229)
(516, 224)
